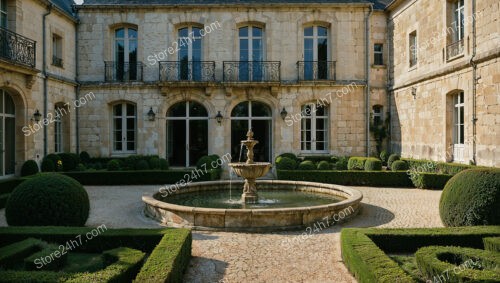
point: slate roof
(65, 6)
(377, 4)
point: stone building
(37, 78)
(182, 79)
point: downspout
(367, 72)
(45, 77)
(389, 82)
(77, 87)
(474, 81)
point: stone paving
(270, 257)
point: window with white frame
(458, 20)
(377, 115)
(316, 53)
(58, 129)
(413, 48)
(251, 53)
(57, 50)
(314, 128)
(458, 133)
(190, 53)
(124, 128)
(3, 13)
(378, 54)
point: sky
(78, 1)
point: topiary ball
(373, 164)
(48, 165)
(399, 165)
(384, 156)
(142, 165)
(84, 157)
(30, 167)
(55, 158)
(341, 164)
(69, 161)
(471, 198)
(48, 199)
(323, 165)
(114, 165)
(206, 162)
(392, 158)
(286, 163)
(154, 163)
(307, 165)
(163, 164)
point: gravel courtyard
(270, 257)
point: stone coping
(261, 219)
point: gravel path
(271, 257)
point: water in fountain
(241, 152)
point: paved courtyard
(270, 257)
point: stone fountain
(250, 170)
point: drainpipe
(389, 81)
(367, 72)
(45, 78)
(474, 81)
(77, 87)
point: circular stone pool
(282, 205)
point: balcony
(252, 71)
(17, 48)
(123, 71)
(316, 70)
(187, 71)
(455, 49)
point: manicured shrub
(452, 168)
(15, 252)
(341, 163)
(48, 165)
(285, 163)
(471, 198)
(399, 165)
(48, 199)
(154, 163)
(29, 168)
(384, 157)
(323, 165)
(114, 165)
(80, 167)
(207, 162)
(33, 261)
(469, 265)
(288, 155)
(84, 157)
(373, 164)
(69, 161)
(317, 159)
(492, 244)
(130, 163)
(142, 165)
(392, 158)
(429, 180)
(55, 159)
(163, 164)
(307, 165)
(356, 163)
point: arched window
(316, 53)
(255, 115)
(190, 53)
(314, 128)
(7, 134)
(187, 133)
(124, 128)
(251, 53)
(458, 126)
(126, 63)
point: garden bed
(142, 255)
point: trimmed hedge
(84, 157)
(307, 165)
(373, 164)
(399, 165)
(429, 180)
(285, 163)
(48, 165)
(492, 244)
(150, 177)
(392, 158)
(323, 165)
(437, 167)
(142, 165)
(16, 252)
(364, 250)
(69, 161)
(7, 186)
(114, 165)
(341, 163)
(438, 262)
(470, 198)
(33, 261)
(384, 156)
(349, 178)
(356, 163)
(30, 167)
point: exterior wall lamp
(37, 116)
(283, 113)
(151, 114)
(219, 118)
(414, 92)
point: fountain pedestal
(249, 192)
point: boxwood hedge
(429, 180)
(356, 163)
(492, 244)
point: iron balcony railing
(56, 61)
(187, 71)
(17, 48)
(317, 70)
(123, 71)
(455, 49)
(251, 71)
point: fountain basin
(251, 171)
(255, 219)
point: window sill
(461, 55)
(412, 68)
(379, 66)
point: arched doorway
(7, 134)
(255, 115)
(187, 133)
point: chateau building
(182, 79)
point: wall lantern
(219, 118)
(283, 113)
(37, 116)
(414, 92)
(151, 114)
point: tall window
(315, 53)
(190, 53)
(3, 13)
(458, 20)
(124, 128)
(413, 48)
(57, 50)
(455, 39)
(126, 54)
(7, 134)
(251, 53)
(377, 115)
(314, 128)
(378, 54)
(58, 129)
(458, 127)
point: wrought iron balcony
(17, 48)
(187, 71)
(317, 70)
(454, 49)
(123, 71)
(252, 71)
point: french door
(7, 135)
